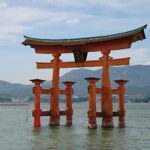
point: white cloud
(86, 3)
(3, 5)
(66, 3)
(13, 19)
(17, 19)
(113, 4)
(73, 21)
(137, 55)
(107, 4)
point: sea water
(17, 132)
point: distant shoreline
(14, 104)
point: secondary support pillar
(92, 102)
(69, 110)
(121, 109)
(106, 96)
(37, 110)
(54, 102)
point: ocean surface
(17, 132)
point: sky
(56, 19)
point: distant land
(138, 85)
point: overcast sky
(65, 19)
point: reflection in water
(92, 139)
(112, 138)
(107, 138)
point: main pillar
(92, 102)
(106, 96)
(69, 110)
(121, 109)
(37, 110)
(54, 102)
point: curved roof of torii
(102, 42)
(78, 41)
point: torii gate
(80, 48)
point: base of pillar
(121, 124)
(107, 122)
(69, 122)
(37, 125)
(54, 121)
(92, 125)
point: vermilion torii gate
(80, 47)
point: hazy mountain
(15, 90)
(138, 76)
